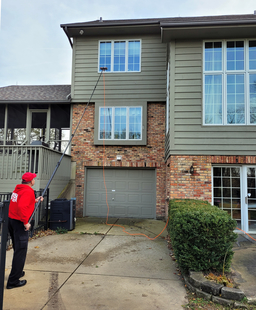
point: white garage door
(130, 193)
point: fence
(4, 207)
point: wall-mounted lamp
(81, 31)
(191, 170)
(118, 157)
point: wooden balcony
(16, 160)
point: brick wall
(86, 154)
(180, 183)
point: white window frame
(224, 73)
(127, 123)
(112, 55)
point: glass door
(234, 191)
(227, 192)
(250, 198)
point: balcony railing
(16, 160)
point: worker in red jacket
(21, 207)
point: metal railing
(4, 207)
(5, 196)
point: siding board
(190, 136)
(147, 85)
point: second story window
(230, 82)
(120, 56)
(120, 123)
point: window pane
(119, 56)
(226, 196)
(235, 99)
(213, 99)
(120, 123)
(135, 123)
(134, 56)
(252, 95)
(105, 123)
(252, 55)
(235, 55)
(105, 55)
(213, 56)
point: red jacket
(22, 203)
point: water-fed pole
(72, 136)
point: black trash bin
(62, 214)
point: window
(120, 56)
(120, 123)
(230, 82)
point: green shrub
(202, 235)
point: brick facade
(86, 154)
(181, 183)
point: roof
(171, 28)
(170, 20)
(35, 93)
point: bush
(202, 235)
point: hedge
(202, 235)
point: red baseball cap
(28, 176)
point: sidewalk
(97, 266)
(244, 265)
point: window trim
(224, 73)
(112, 55)
(142, 141)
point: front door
(234, 191)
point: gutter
(202, 24)
(66, 32)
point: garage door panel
(119, 211)
(134, 174)
(121, 185)
(94, 185)
(121, 174)
(95, 197)
(146, 212)
(134, 186)
(130, 193)
(109, 185)
(147, 198)
(133, 212)
(146, 186)
(134, 198)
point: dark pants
(20, 245)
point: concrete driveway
(98, 266)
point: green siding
(188, 136)
(147, 85)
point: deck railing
(16, 160)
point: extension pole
(72, 136)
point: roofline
(110, 23)
(35, 101)
(211, 23)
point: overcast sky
(34, 49)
